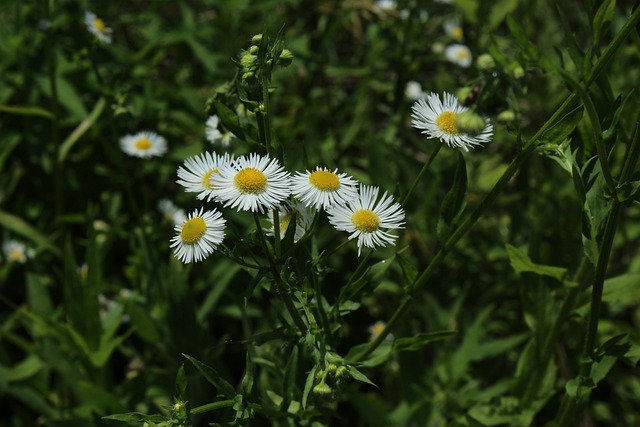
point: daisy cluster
(261, 184)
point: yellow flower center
(456, 33)
(447, 123)
(377, 329)
(462, 54)
(365, 220)
(143, 144)
(15, 255)
(324, 180)
(250, 180)
(206, 178)
(193, 229)
(99, 24)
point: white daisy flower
(386, 4)
(288, 212)
(413, 90)
(144, 144)
(376, 329)
(437, 119)
(16, 252)
(254, 183)
(322, 188)
(453, 29)
(367, 218)
(195, 174)
(214, 135)
(198, 236)
(171, 212)
(96, 27)
(458, 54)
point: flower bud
(517, 71)
(341, 371)
(285, 58)
(253, 50)
(469, 122)
(506, 116)
(248, 60)
(256, 39)
(463, 93)
(485, 62)
(322, 389)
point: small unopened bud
(248, 60)
(253, 50)
(506, 116)
(248, 75)
(285, 58)
(469, 122)
(517, 71)
(341, 371)
(437, 48)
(463, 93)
(485, 62)
(332, 368)
(256, 39)
(322, 389)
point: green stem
(356, 273)
(283, 291)
(569, 405)
(598, 286)
(214, 406)
(420, 174)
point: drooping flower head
(437, 118)
(214, 135)
(459, 54)
(255, 183)
(144, 144)
(198, 236)
(368, 218)
(196, 172)
(376, 329)
(290, 213)
(96, 27)
(171, 212)
(323, 188)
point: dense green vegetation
(506, 292)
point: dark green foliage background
(341, 104)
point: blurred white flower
(458, 54)
(96, 27)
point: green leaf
(144, 324)
(370, 279)
(82, 128)
(409, 270)
(181, 382)
(229, 119)
(522, 263)
(602, 17)
(418, 342)
(622, 292)
(25, 369)
(563, 128)
(359, 376)
(580, 387)
(19, 226)
(499, 10)
(26, 111)
(454, 201)
(522, 39)
(308, 386)
(213, 377)
(289, 378)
